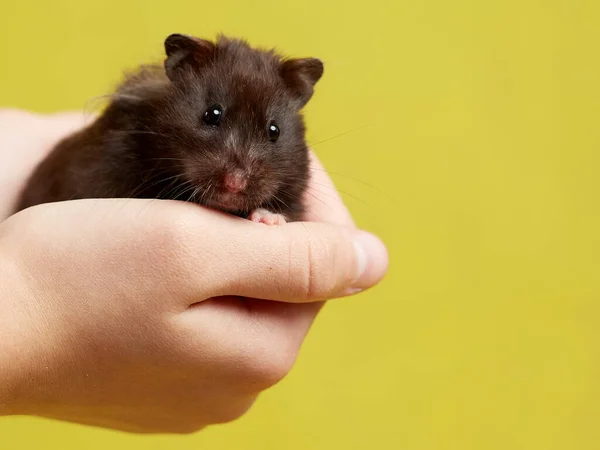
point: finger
(26, 139)
(248, 316)
(322, 200)
(297, 262)
(60, 125)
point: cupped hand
(144, 315)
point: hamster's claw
(267, 217)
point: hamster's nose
(235, 181)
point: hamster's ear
(186, 52)
(300, 76)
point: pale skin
(109, 313)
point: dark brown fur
(151, 141)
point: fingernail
(371, 261)
(361, 256)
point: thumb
(297, 262)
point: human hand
(114, 322)
(25, 139)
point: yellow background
(473, 151)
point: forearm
(8, 366)
(19, 347)
(7, 389)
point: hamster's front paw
(267, 217)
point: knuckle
(167, 232)
(171, 243)
(324, 266)
(298, 276)
(270, 361)
(230, 413)
(169, 238)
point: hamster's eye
(213, 115)
(273, 131)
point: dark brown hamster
(219, 124)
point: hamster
(218, 124)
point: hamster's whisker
(177, 190)
(133, 132)
(166, 159)
(185, 191)
(300, 199)
(206, 193)
(334, 189)
(355, 179)
(280, 201)
(165, 179)
(146, 183)
(167, 188)
(337, 136)
(192, 197)
(333, 197)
